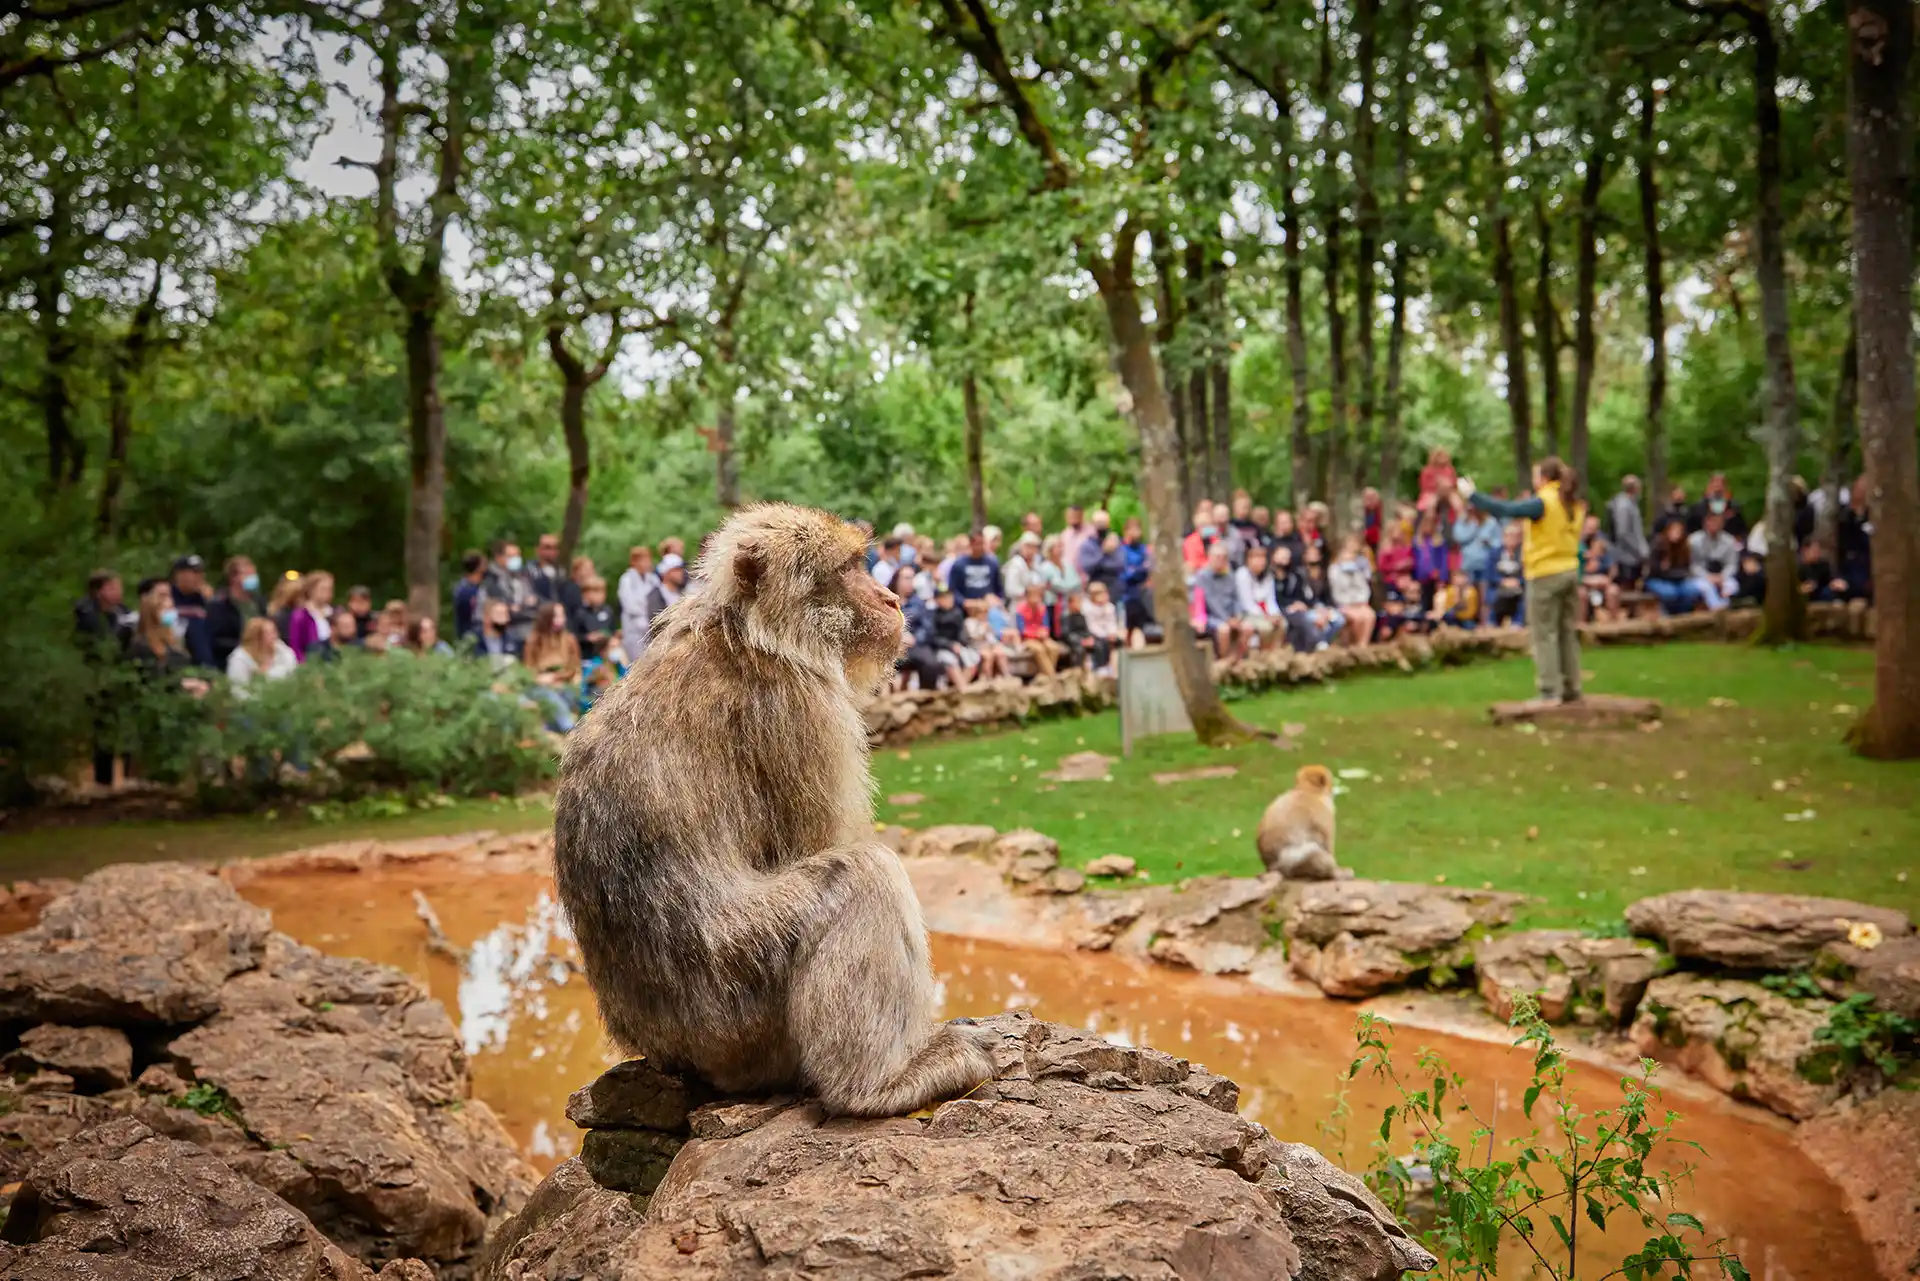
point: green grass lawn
(1587, 823)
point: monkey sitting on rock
(713, 838)
(1296, 832)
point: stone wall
(898, 718)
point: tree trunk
(573, 426)
(1302, 440)
(1842, 428)
(1133, 349)
(726, 464)
(1880, 165)
(1784, 616)
(1656, 490)
(1199, 358)
(1401, 264)
(1586, 269)
(1220, 374)
(66, 457)
(1367, 243)
(427, 449)
(1338, 466)
(1519, 402)
(976, 433)
(126, 367)
(1167, 327)
(1546, 330)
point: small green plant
(1575, 1169)
(1857, 1036)
(207, 1099)
(1799, 985)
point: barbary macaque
(714, 837)
(1296, 832)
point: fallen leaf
(1196, 775)
(1533, 833)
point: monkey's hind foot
(953, 1061)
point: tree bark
(1519, 402)
(1401, 262)
(427, 456)
(1302, 440)
(1546, 330)
(1167, 328)
(1656, 418)
(126, 367)
(1880, 165)
(1586, 270)
(1338, 465)
(1140, 373)
(66, 455)
(1367, 229)
(1221, 405)
(976, 432)
(1200, 461)
(1784, 615)
(1842, 428)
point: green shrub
(363, 725)
(1858, 1036)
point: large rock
(337, 1085)
(133, 945)
(1573, 977)
(1080, 1159)
(1888, 972)
(1871, 1148)
(1218, 924)
(950, 839)
(1359, 938)
(123, 1202)
(1741, 1038)
(1746, 931)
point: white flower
(1864, 935)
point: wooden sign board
(1150, 701)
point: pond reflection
(530, 1028)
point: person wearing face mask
(508, 582)
(1196, 545)
(233, 607)
(1717, 501)
(154, 647)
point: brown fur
(1296, 832)
(714, 837)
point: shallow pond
(530, 1028)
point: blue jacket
(1134, 575)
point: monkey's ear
(749, 565)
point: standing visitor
(310, 629)
(1056, 572)
(1509, 580)
(100, 623)
(1630, 549)
(1101, 559)
(188, 582)
(887, 564)
(466, 595)
(1718, 501)
(1855, 543)
(260, 653)
(671, 587)
(593, 622)
(1073, 533)
(1432, 555)
(545, 576)
(1476, 535)
(360, 604)
(636, 588)
(1023, 566)
(976, 575)
(236, 604)
(507, 581)
(1551, 562)
(1136, 579)
(1286, 535)
(287, 591)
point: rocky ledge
(184, 1078)
(1079, 1159)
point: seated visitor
(1818, 581)
(260, 653)
(1458, 603)
(1750, 583)
(1035, 623)
(496, 642)
(1670, 576)
(423, 637)
(1215, 605)
(1350, 580)
(553, 656)
(1090, 629)
(1509, 595)
(985, 640)
(1716, 561)
(1599, 592)
(959, 659)
(1259, 598)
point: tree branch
(984, 46)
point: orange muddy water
(531, 1031)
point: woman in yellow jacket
(1550, 560)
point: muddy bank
(528, 1024)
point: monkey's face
(800, 578)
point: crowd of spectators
(981, 606)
